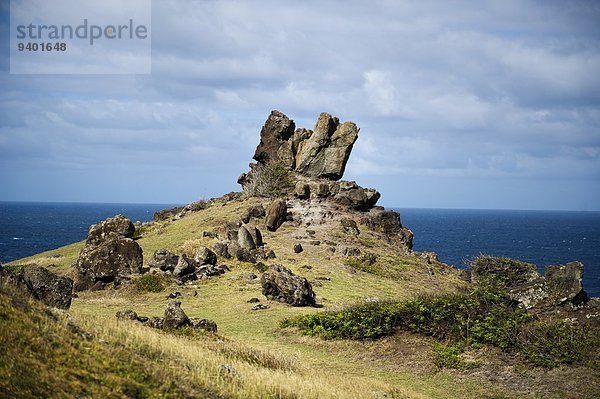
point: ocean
(539, 237)
(28, 228)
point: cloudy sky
(478, 104)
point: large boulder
(175, 317)
(109, 252)
(41, 284)
(245, 239)
(184, 267)
(277, 130)
(280, 284)
(256, 211)
(319, 153)
(388, 224)
(205, 256)
(276, 214)
(105, 262)
(164, 260)
(324, 154)
(111, 228)
(566, 282)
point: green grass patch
(449, 356)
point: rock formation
(280, 284)
(321, 153)
(276, 214)
(41, 284)
(164, 260)
(174, 318)
(110, 252)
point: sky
(474, 104)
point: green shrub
(504, 271)
(271, 180)
(365, 321)
(150, 283)
(553, 343)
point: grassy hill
(251, 356)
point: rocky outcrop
(109, 252)
(276, 214)
(256, 211)
(567, 282)
(174, 318)
(319, 153)
(184, 267)
(276, 133)
(41, 284)
(349, 226)
(280, 284)
(388, 224)
(324, 153)
(560, 287)
(164, 260)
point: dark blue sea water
(27, 228)
(539, 237)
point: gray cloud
(456, 94)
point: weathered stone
(358, 198)
(530, 294)
(280, 284)
(221, 249)
(277, 129)
(209, 270)
(245, 239)
(276, 214)
(164, 260)
(109, 229)
(325, 153)
(184, 267)
(350, 226)
(155, 322)
(205, 324)
(175, 317)
(106, 261)
(41, 284)
(126, 315)
(47, 287)
(302, 190)
(256, 211)
(566, 282)
(388, 224)
(204, 255)
(298, 248)
(245, 255)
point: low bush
(271, 180)
(504, 271)
(484, 315)
(552, 343)
(150, 283)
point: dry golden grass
(270, 362)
